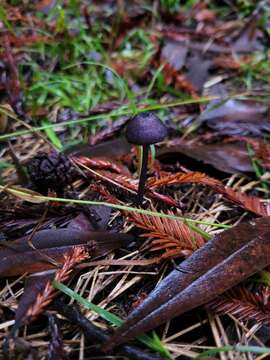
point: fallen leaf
(48, 247)
(220, 264)
(228, 158)
(236, 117)
(174, 54)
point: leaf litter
(156, 260)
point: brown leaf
(56, 347)
(226, 157)
(111, 149)
(48, 248)
(220, 264)
(34, 261)
(250, 203)
(174, 54)
(236, 117)
(261, 148)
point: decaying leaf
(220, 264)
(174, 54)
(47, 249)
(236, 117)
(227, 157)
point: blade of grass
(20, 192)
(113, 114)
(237, 348)
(52, 136)
(153, 343)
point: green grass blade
(52, 136)
(153, 343)
(20, 192)
(113, 114)
(237, 348)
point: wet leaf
(174, 54)
(109, 149)
(48, 247)
(226, 157)
(56, 347)
(236, 117)
(222, 263)
(198, 71)
(250, 37)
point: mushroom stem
(143, 174)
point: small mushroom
(145, 129)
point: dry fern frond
(75, 256)
(243, 304)
(99, 163)
(251, 203)
(173, 236)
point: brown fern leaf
(171, 235)
(102, 190)
(75, 256)
(250, 203)
(131, 184)
(100, 163)
(243, 304)
(123, 180)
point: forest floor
(79, 249)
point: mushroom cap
(145, 129)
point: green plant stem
(190, 222)
(102, 116)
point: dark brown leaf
(236, 117)
(174, 54)
(219, 265)
(229, 158)
(49, 247)
(56, 349)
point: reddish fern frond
(75, 256)
(243, 304)
(99, 163)
(250, 203)
(123, 180)
(171, 235)
(102, 190)
(132, 184)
